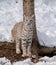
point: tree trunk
(28, 10)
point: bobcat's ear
(32, 17)
(25, 18)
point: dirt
(8, 50)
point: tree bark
(28, 10)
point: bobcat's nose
(28, 23)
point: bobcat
(22, 34)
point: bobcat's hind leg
(18, 51)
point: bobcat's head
(29, 22)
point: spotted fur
(22, 34)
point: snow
(11, 12)
(45, 12)
(9, 15)
(4, 61)
(46, 61)
(25, 62)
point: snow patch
(4, 61)
(45, 61)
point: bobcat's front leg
(29, 48)
(18, 51)
(24, 48)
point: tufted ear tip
(24, 17)
(32, 17)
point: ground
(9, 57)
(8, 50)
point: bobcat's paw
(18, 51)
(29, 55)
(24, 55)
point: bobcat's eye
(28, 23)
(31, 21)
(26, 20)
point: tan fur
(16, 34)
(23, 31)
